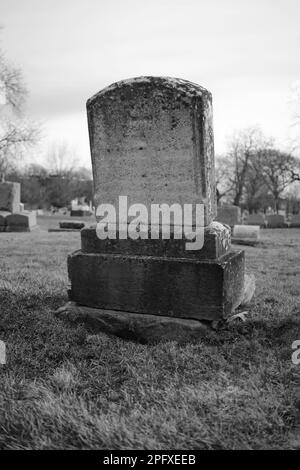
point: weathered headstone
(256, 219)
(276, 221)
(229, 214)
(10, 196)
(295, 221)
(152, 140)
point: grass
(65, 388)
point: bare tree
(62, 159)
(16, 134)
(277, 169)
(223, 173)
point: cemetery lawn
(65, 388)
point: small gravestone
(10, 196)
(152, 141)
(21, 222)
(295, 221)
(276, 221)
(256, 219)
(246, 234)
(229, 214)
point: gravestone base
(174, 287)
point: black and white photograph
(149, 229)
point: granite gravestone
(229, 214)
(151, 140)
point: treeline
(255, 175)
(42, 189)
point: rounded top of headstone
(182, 87)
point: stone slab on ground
(145, 328)
(216, 243)
(177, 287)
(64, 230)
(80, 213)
(77, 224)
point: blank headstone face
(229, 215)
(152, 140)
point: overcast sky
(245, 52)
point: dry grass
(63, 388)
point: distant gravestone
(151, 140)
(10, 196)
(246, 234)
(276, 221)
(21, 222)
(295, 221)
(256, 219)
(229, 215)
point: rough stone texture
(295, 221)
(178, 287)
(143, 328)
(10, 196)
(276, 221)
(229, 215)
(21, 222)
(151, 139)
(74, 224)
(216, 243)
(256, 219)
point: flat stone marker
(276, 221)
(246, 234)
(74, 224)
(295, 221)
(229, 215)
(256, 219)
(151, 140)
(10, 196)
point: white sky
(246, 52)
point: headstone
(295, 221)
(9, 196)
(229, 214)
(256, 219)
(246, 234)
(3, 223)
(152, 140)
(21, 222)
(276, 221)
(80, 213)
